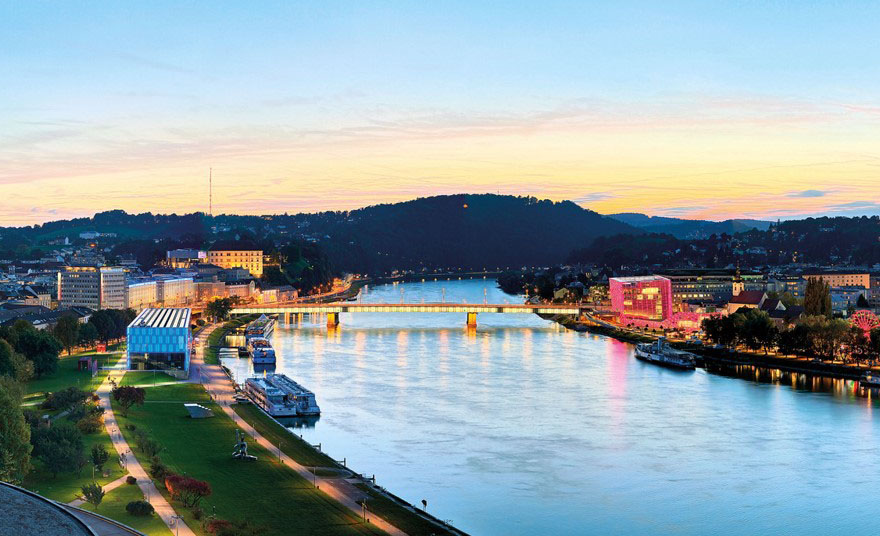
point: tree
(59, 447)
(7, 366)
(41, 348)
(88, 334)
(99, 456)
(67, 331)
(862, 302)
(128, 396)
(15, 434)
(93, 493)
(817, 297)
(188, 490)
(219, 308)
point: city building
(749, 299)
(142, 294)
(842, 279)
(710, 284)
(175, 291)
(251, 260)
(184, 258)
(794, 285)
(160, 339)
(844, 298)
(645, 297)
(92, 286)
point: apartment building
(92, 286)
(250, 260)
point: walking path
(110, 486)
(163, 508)
(221, 390)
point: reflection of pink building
(646, 302)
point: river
(522, 427)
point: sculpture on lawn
(240, 449)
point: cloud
(808, 193)
(595, 196)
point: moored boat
(280, 396)
(660, 353)
(870, 379)
(260, 351)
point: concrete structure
(208, 290)
(160, 339)
(184, 258)
(91, 286)
(843, 279)
(844, 298)
(750, 299)
(332, 310)
(142, 294)
(175, 291)
(793, 284)
(250, 260)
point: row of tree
(814, 335)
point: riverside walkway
(221, 390)
(165, 511)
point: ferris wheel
(865, 320)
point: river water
(522, 427)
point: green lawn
(66, 486)
(263, 492)
(400, 517)
(113, 506)
(145, 378)
(67, 375)
(291, 444)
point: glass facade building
(645, 298)
(160, 339)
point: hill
(682, 228)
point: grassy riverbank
(216, 338)
(399, 515)
(264, 492)
(113, 506)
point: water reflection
(519, 427)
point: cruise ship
(280, 396)
(660, 353)
(261, 327)
(260, 351)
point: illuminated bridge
(332, 310)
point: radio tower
(211, 192)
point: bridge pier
(332, 320)
(472, 320)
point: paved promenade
(220, 388)
(163, 508)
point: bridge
(332, 310)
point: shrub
(214, 526)
(158, 470)
(131, 480)
(139, 508)
(64, 398)
(187, 490)
(130, 427)
(89, 424)
(198, 513)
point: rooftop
(164, 317)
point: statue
(240, 449)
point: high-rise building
(250, 260)
(91, 286)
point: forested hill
(696, 229)
(463, 231)
(453, 231)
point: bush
(139, 508)
(131, 427)
(90, 424)
(198, 513)
(158, 470)
(64, 398)
(130, 480)
(214, 526)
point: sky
(708, 110)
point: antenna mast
(211, 192)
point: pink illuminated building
(646, 302)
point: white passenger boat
(281, 397)
(260, 351)
(660, 353)
(261, 327)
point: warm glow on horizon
(548, 104)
